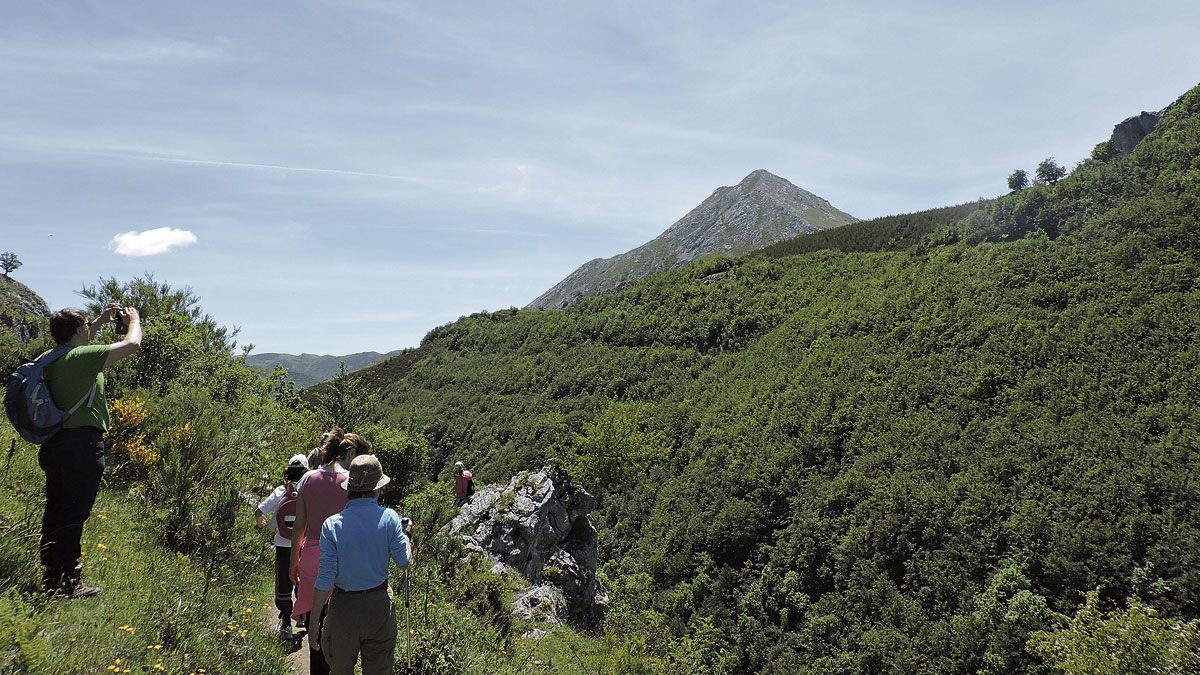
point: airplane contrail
(246, 165)
(281, 167)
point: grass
(159, 611)
(166, 612)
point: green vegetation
(171, 541)
(1133, 640)
(1049, 172)
(901, 446)
(957, 441)
(889, 233)
(187, 579)
(1018, 180)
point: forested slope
(874, 461)
(889, 233)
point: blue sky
(343, 176)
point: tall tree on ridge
(9, 262)
(1018, 180)
(1050, 172)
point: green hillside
(889, 233)
(907, 452)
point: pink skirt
(310, 562)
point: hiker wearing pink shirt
(464, 484)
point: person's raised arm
(119, 351)
(400, 545)
(106, 316)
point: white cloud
(151, 242)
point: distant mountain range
(309, 369)
(761, 210)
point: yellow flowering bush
(176, 438)
(131, 455)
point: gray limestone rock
(1130, 132)
(543, 604)
(535, 634)
(538, 526)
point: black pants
(283, 583)
(316, 660)
(73, 460)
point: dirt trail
(297, 660)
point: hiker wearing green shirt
(73, 458)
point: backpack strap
(91, 396)
(51, 356)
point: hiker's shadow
(296, 642)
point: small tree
(1018, 180)
(9, 262)
(346, 405)
(1049, 171)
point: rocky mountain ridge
(761, 210)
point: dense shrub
(403, 457)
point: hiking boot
(285, 631)
(73, 587)
(81, 591)
(52, 583)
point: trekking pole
(407, 624)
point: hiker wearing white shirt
(279, 510)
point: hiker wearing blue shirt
(73, 458)
(356, 545)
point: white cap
(298, 460)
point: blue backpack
(29, 405)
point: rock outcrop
(1127, 134)
(1130, 132)
(537, 525)
(761, 210)
(22, 311)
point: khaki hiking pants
(360, 623)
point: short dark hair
(65, 323)
(359, 494)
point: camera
(121, 321)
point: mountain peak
(763, 177)
(761, 210)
